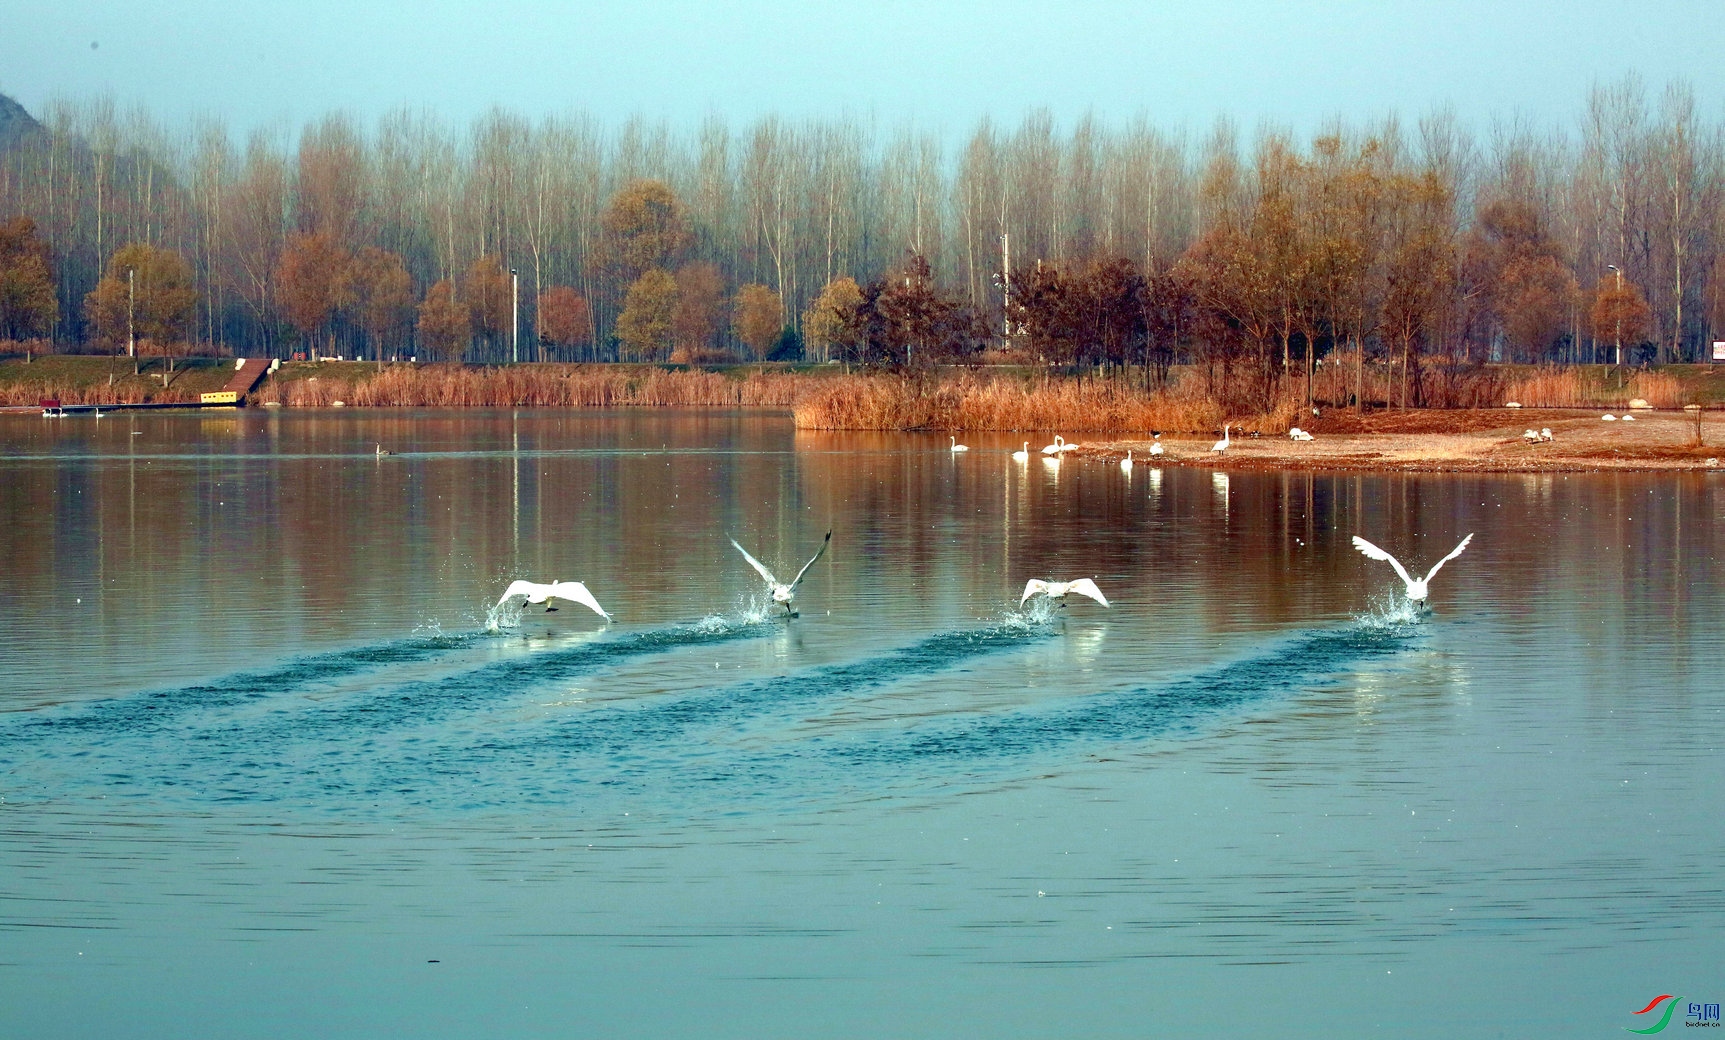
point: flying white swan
(1417, 587)
(1156, 447)
(1057, 447)
(784, 592)
(1023, 455)
(536, 592)
(1059, 589)
(1221, 445)
(1126, 463)
(957, 446)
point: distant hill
(15, 123)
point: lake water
(271, 766)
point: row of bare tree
(1080, 244)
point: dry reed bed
(1568, 388)
(71, 393)
(456, 386)
(976, 402)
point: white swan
(1417, 587)
(1530, 436)
(1156, 446)
(957, 446)
(1545, 433)
(784, 592)
(381, 451)
(1221, 445)
(1126, 463)
(1608, 417)
(1059, 589)
(1057, 447)
(1629, 418)
(536, 592)
(1023, 455)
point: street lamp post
(1618, 309)
(514, 316)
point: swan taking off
(1221, 445)
(1417, 587)
(573, 591)
(1022, 455)
(784, 592)
(957, 446)
(1059, 589)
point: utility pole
(514, 316)
(1617, 306)
(1006, 287)
(131, 307)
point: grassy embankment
(85, 379)
(823, 397)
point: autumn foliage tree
(758, 318)
(28, 305)
(163, 305)
(834, 323)
(565, 320)
(645, 227)
(487, 290)
(699, 314)
(1620, 313)
(381, 292)
(445, 325)
(312, 283)
(645, 326)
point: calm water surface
(271, 766)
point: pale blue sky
(941, 64)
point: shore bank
(1464, 441)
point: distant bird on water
(536, 592)
(381, 452)
(1126, 463)
(957, 446)
(1022, 455)
(784, 592)
(1059, 589)
(1417, 587)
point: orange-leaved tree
(382, 294)
(699, 314)
(444, 324)
(759, 318)
(28, 306)
(565, 320)
(312, 284)
(1620, 313)
(160, 302)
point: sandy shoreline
(1483, 441)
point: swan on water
(1059, 589)
(1057, 447)
(1023, 455)
(1221, 445)
(784, 592)
(1126, 463)
(536, 592)
(957, 446)
(1417, 587)
(381, 452)
(1156, 447)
